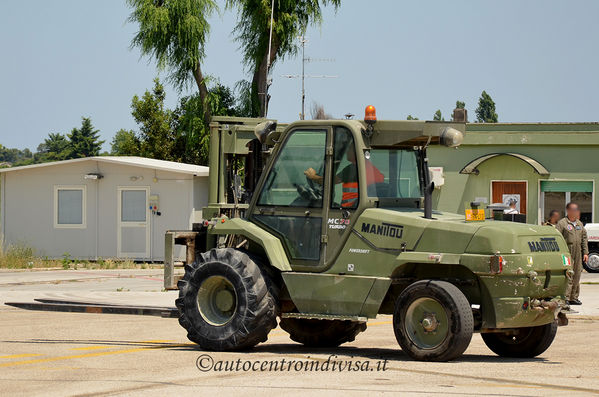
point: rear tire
(433, 321)
(526, 343)
(225, 302)
(322, 333)
(592, 265)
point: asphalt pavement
(51, 353)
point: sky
(538, 59)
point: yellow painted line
(20, 355)
(90, 348)
(98, 354)
(113, 352)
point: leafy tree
(155, 123)
(485, 113)
(174, 33)
(54, 148)
(175, 135)
(14, 156)
(84, 141)
(410, 117)
(291, 18)
(192, 138)
(125, 143)
(438, 116)
(243, 91)
(318, 112)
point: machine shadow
(282, 349)
(373, 353)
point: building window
(69, 206)
(556, 194)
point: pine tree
(485, 113)
(54, 148)
(84, 142)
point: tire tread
(261, 311)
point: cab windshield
(400, 170)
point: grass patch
(21, 256)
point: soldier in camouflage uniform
(576, 237)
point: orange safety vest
(350, 194)
(350, 189)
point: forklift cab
(357, 166)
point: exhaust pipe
(428, 200)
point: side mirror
(264, 130)
(451, 137)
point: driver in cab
(349, 178)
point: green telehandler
(324, 224)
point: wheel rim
(593, 261)
(426, 323)
(217, 300)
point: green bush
(16, 256)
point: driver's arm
(312, 175)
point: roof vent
(460, 115)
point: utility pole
(264, 109)
(303, 75)
(303, 115)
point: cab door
(290, 205)
(345, 196)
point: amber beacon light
(370, 115)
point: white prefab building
(100, 207)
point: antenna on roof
(303, 75)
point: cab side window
(345, 192)
(287, 185)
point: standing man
(553, 218)
(576, 237)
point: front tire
(592, 265)
(322, 333)
(224, 301)
(433, 321)
(524, 343)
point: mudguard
(271, 244)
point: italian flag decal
(566, 260)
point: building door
(133, 223)
(504, 191)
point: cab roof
(396, 133)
